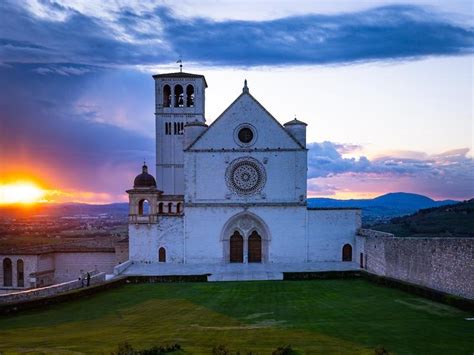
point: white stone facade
(241, 191)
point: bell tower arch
(179, 99)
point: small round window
(245, 135)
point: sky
(386, 88)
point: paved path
(236, 272)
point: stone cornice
(242, 150)
(244, 204)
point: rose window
(245, 176)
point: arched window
(160, 207)
(347, 252)
(7, 272)
(178, 208)
(162, 255)
(143, 208)
(255, 248)
(190, 96)
(170, 207)
(20, 273)
(166, 96)
(178, 96)
(236, 248)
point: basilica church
(231, 192)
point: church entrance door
(255, 248)
(236, 248)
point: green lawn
(323, 316)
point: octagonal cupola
(144, 180)
(143, 198)
(297, 129)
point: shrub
(283, 350)
(126, 349)
(380, 350)
(220, 350)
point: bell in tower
(179, 99)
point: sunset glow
(20, 192)
(384, 115)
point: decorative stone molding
(245, 176)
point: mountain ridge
(384, 207)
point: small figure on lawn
(88, 279)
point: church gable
(245, 124)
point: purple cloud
(448, 174)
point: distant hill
(381, 208)
(447, 221)
(385, 207)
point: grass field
(324, 316)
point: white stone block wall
(146, 239)
(45, 262)
(70, 266)
(329, 230)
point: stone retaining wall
(444, 264)
(49, 291)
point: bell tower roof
(144, 179)
(180, 75)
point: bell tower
(179, 99)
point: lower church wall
(329, 230)
(204, 229)
(145, 240)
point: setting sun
(20, 192)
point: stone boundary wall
(80, 293)
(49, 291)
(443, 264)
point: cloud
(62, 70)
(44, 134)
(449, 174)
(147, 35)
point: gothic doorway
(236, 248)
(255, 248)
(347, 252)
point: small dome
(144, 179)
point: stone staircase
(229, 272)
